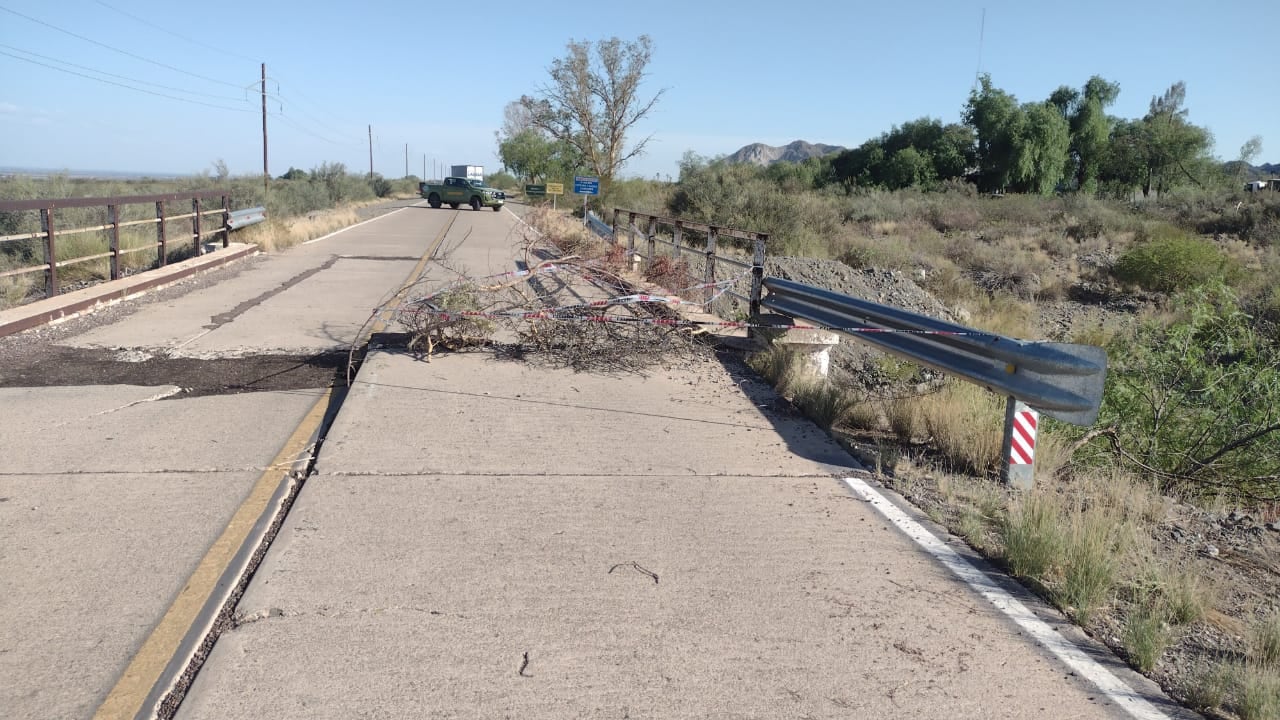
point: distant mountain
(1269, 168)
(798, 151)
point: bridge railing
(1063, 380)
(711, 253)
(112, 225)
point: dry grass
(1033, 536)
(1146, 635)
(277, 235)
(1265, 643)
(964, 424)
(1257, 692)
(822, 401)
(1090, 561)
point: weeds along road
(478, 537)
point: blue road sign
(585, 185)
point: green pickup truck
(456, 191)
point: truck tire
(453, 205)
(434, 201)
(475, 203)
(497, 208)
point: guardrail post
(709, 276)
(50, 252)
(653, 232)
(162, 236)
(1019, 455)
(113, 211)
(195, 223)
(757, 273)
(226, 221)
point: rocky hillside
(761, 154)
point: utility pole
(406, 159)
(266, 174)
(424, 166)
(370, 152)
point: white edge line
(362, 222)
(1068, 652)
(520, 219)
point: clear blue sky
(735, 73)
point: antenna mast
(982, 31)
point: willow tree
(593, 100)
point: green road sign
(535, 190)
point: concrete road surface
(110, 495)
(487, 538)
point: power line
(177, 35)
(118, 50)
(118, 77)
(290, 122)
(295, 96)
(127, 87)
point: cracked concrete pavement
(115, 479)
(481, 537)
(486, 538)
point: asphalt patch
(67, 366)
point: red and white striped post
(1019, 459)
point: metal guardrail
(244, 218)
(50, 231)
(1063, 380)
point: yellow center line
(379, 325)
(125, 700)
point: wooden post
(653, 238)
(677, 240)
(631, 237)
(162, 236)
(615, 221)
(757, 273)
(226, 220)
(113, 211)
(710, 276)
(50, 252)
(195, 223)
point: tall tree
(1249, 152)
(1090, 130)
(515, 120)
(1172, 142)
(997, 120)
(1041, 148)
(593, 100)
(532, 156)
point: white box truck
(470, 172)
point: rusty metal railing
(49, 232)
(710, 252)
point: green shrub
(1170, 262)
(381, 186)
(1196, 404)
